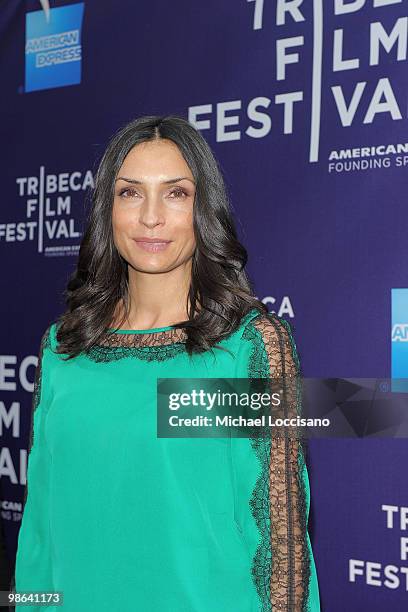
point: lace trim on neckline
(149, 346)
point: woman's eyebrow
(172, 180)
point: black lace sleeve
(281, 567)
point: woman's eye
(179, 193)
(123, 192)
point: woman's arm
(284, 567)
(33, 568)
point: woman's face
(154, 197)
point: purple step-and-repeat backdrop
(304, 104)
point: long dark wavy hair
(219, 284)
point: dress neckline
(152, 330)
(154, 344)
(139, 331)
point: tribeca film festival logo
(53, 46)
(319, 72)
(390, 576)
(48, 207)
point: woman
(116, 517)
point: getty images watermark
(295, 407)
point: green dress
(118, 519)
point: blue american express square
(399, 338)
(53, 48)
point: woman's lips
(152, 247)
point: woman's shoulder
(270, 335)
(49, 337)
(269, 325)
